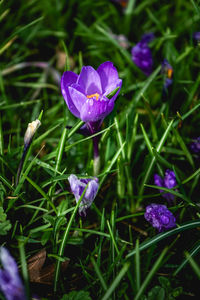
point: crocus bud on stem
(30, 131)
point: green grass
(113, 253)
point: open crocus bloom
(85, 94)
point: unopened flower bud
(30, 131)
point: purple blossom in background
(141, 54)
(159, 217)
(86, 94)
(10, 282)
(167, 70)
(195, 145)
(196, 37)
(169, 181)
(77, 187)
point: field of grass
(113, 252)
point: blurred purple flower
(77, 187)
(196, 37)
(195, 145)
(86, 94)
(169, 182)
(10, 282)
(141, 54)
(167, 70)
(159, 217)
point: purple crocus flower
(86, 97)
(160, 217)
(169, 182)
(195, 145)
(77, 187)
(86, 94)
(10, 282)
(167, 70)
(141, 54)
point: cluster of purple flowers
(86, 98)
(158, 215)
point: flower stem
(96, 165)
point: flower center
(96, 95)
(169, 73)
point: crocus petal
(75, 186)
(170, 179)
(93, 110)
(90, 81)
(78, 98)
(91, 190)
(158, 180)
(10, 282)
(109, 76)
(67, 79)
(8, 261)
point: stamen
(96, 95)
(169, 73)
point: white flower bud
(30, 131)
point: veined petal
(93, 110)
(90, 81)
(91, 190)
(67, 79)
(109, 76)
(77, 97)
(158, 180)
